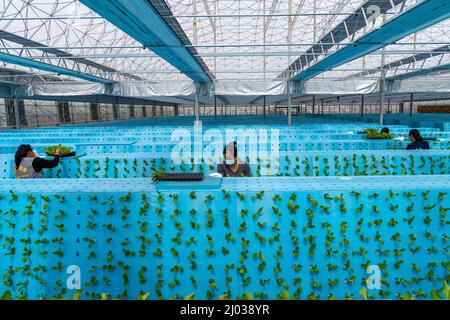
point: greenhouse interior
(224, 150)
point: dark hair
(385, 129)
(234, 149)
(21, 153)
(416, 134)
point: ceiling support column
(314, 104)
(411, 101)
(197, 108)
(289, 103)
(264, 106)
(17, 113)
(362, 106)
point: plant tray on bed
(182, 176)
(64, 151)
(373, 134)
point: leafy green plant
(51, 151)
(158, 174)
(372, 133)
(6, 296)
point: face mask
(230, 162)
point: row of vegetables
(290, 145)
(288, 164)
(225, 245)
(231, 244)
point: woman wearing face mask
(232, 166)
(28, 166)
(417, 141)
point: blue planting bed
(308, 163)
(312, 237)
(336, 205)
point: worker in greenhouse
(385, 130)
(417, 141)
(28, 166)
(232, 166)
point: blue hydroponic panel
(312, 238)
(345, 204)
(309, 163)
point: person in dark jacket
(385, 130)
(232, 166)
(28, 166)
(417, 141)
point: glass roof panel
(244, 40)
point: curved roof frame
(221, 41)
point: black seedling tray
(65, 155)
(182, 176)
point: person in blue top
(417, 141)
(385, 130)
